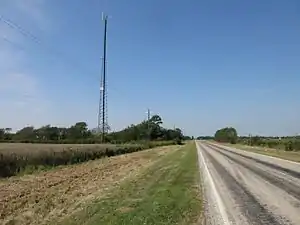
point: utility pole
(148, 123)
(250, 139)
(102, 113)
(148, 114)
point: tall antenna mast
(102, 113)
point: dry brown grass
(20, 158)
(25, 148)
(38, 199)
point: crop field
(26, 158)
(25, 148)
(66, 195)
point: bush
(272, 144)
(289, 146)
(297, 145)
(233, 141)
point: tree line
(205, 138)
(230, 135)
(148, 130)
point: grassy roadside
(288, 155)
(53, 195)
(166, 193)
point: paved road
(245, 188)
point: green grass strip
(166, 193)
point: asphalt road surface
(245, 188)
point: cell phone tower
(102, 112)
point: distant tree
(205, 138)
(63, 133)
(156, 119)
(26, 134)
(78, 131)
(48, 133)
(227, 134)
(256, 140)
(7, 133)
(2, 132)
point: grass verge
(53, 195)
(166, 193)
(288, 155)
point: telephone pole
(148, 123)
(102, 112)
(148, 114)
(250, 139)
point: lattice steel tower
(102, 112)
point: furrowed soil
(53, 195)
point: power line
(19, 28)
(102, 111)
(36, 40)
(12, 43)
(120, 93)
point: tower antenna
(102, 112)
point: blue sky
(201, 65)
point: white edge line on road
(219, 201)
(254, 153)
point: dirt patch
(125, 209)
(38, 199)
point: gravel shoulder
(246, 188)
